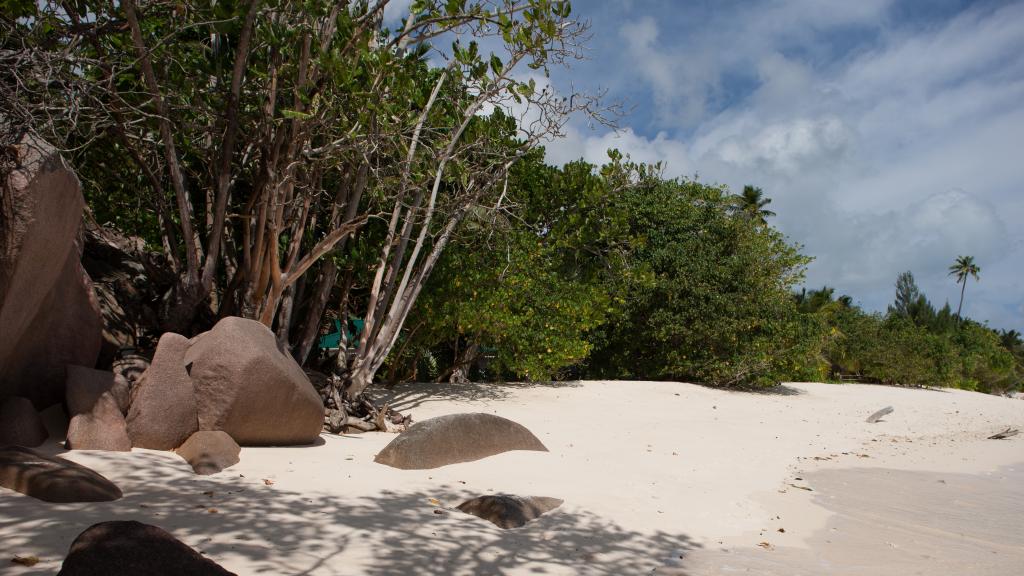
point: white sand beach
(658, 477)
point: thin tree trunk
(325, 281)
(460, 375)
(284, 318)
(960, 307)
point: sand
(657, 477)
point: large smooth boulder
(163, 411)
(232, 378)
(52, 479)
(101, 428)
(248, 388)
(96, 400)
(48, 311)
(508, 511)
(456, 438)
(129, 547)
(85, 387)
(209, 452)
(20, 424)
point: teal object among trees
(332, 340)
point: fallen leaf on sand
(212, 510)
(802, 487)
(766, 546)
(434, 501)
(268, 481)
(25, 560)
(1008, 433)
(782, 530)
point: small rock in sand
(209, 451)
(507, 511)
(878, 415)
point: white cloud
(899, 156)
(594, 148)
(395, 12)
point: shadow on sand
(254, 527)
(408, 396)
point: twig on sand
(878, 415)
(1004, 434)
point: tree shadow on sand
(248, 522)
(408, 396)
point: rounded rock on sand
(456, 438)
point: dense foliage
(915, 344)
(300, 162)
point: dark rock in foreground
(507, 511)
(133, 548)
(209, 452)
(52, 479)
(456, 438)
(20, 424)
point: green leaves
(711, 300)
(295, 114)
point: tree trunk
(960, 307)
(359, 379)
(284, 318)
(318, 303)
(464, 361)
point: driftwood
(359, 414)
(878, 415)
(1004, 434)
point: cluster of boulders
(232, 378)
(202, 397)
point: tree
(815, 299)
(963, 267)
(752, 202)
(709, 295)
(278, 139)
(1011, 340)
(531, 289)
(910, 303)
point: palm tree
(752, 202)
(1010, 339)
(963, 267)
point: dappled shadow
(252, 526)
(777, 390)
(412, 395)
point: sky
(889, 134)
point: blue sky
(889, 134)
